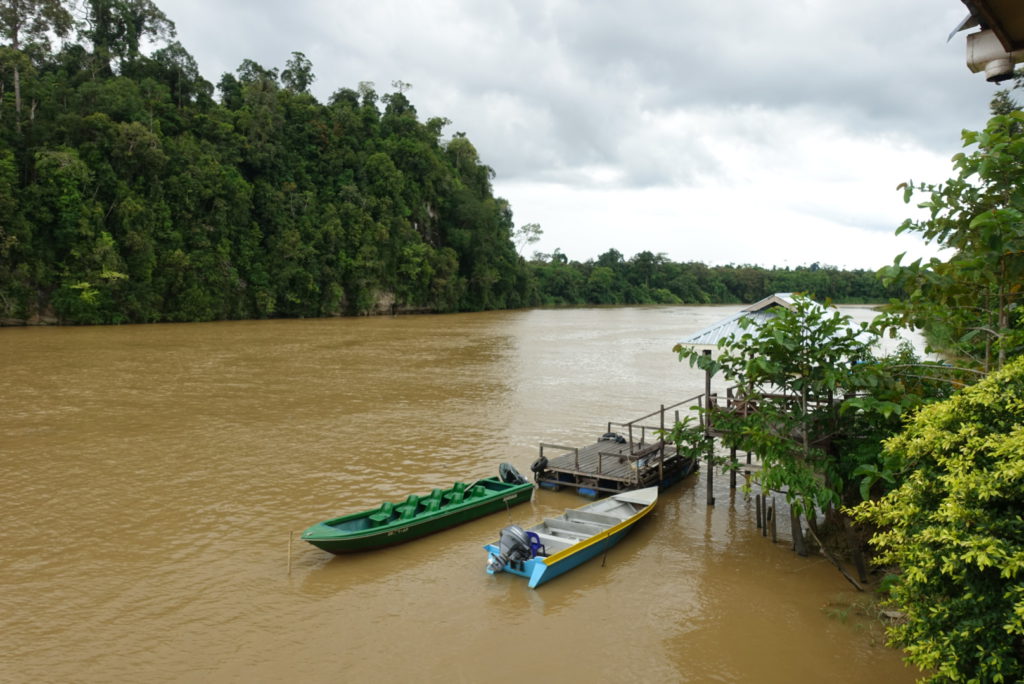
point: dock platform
(615, 462)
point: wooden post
(661, 451)
(707, 431)
(732, 469)
(757, 502)
(775, 526)
(711, 469)
(764, 513)
(707, 395)
(748, 458)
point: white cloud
(722, 132)
(707, 224)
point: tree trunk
(17, 85)
(798, 536)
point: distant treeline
(128, 193)
(649, 278)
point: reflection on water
(150, 477)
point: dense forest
(133, 190)
(652, 279)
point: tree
(118, 27)
(298, 73)
(27, 21)
(970, 303)
(526, 235)
(791, 368)
(955, 530)
(182, 74)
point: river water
(151, 478)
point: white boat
(556, 545)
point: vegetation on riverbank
(915, 457)
(129, 193)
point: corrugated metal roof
(759, 312)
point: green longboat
(417, 516)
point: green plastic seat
(383, 515)
(408, 509)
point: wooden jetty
(634, 458)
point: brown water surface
(150, 477)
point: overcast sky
(725, 132)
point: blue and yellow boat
(556, 545)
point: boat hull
(328, 537)
(541, 569)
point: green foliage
(790, 370)
(813, 401)
(900, 384)
(970, 303)
(688, 438)
(649, 278)
(269, 203)
(955, 529)
(131, 196)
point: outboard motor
(513, 545)
(508, 473)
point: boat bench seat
(457, 493)
(575, 527)
(383, 515)
(596, 518)
(409, 508)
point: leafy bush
(955, 529)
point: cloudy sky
(722, 132)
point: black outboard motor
(508, 473)
(513, 545)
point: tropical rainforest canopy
(129, 192)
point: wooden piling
(766, 514)
(711, 469)
(707, 432)
(757, 502)
(732, 468)
(661, 454)
(775, 527)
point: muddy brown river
(151, 478)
